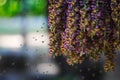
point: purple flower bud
(65, 46)
(88, 28)
(73, 35)
(66, 30)
(97, 26)
(99, 14)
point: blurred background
(24, 40)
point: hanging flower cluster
(84, 28)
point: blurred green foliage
(18, 7)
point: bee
(69, 62)
(81, 60)
(51, 34)
(107, 66)
(75, 60)
(71, 14)
(63, 50)
(105, 43)
(94, 11)
(52, 29)
(76, 9)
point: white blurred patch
(48, 69)
(11, 41)
(36, 39)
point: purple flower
(99, 14)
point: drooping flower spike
(84, 28)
